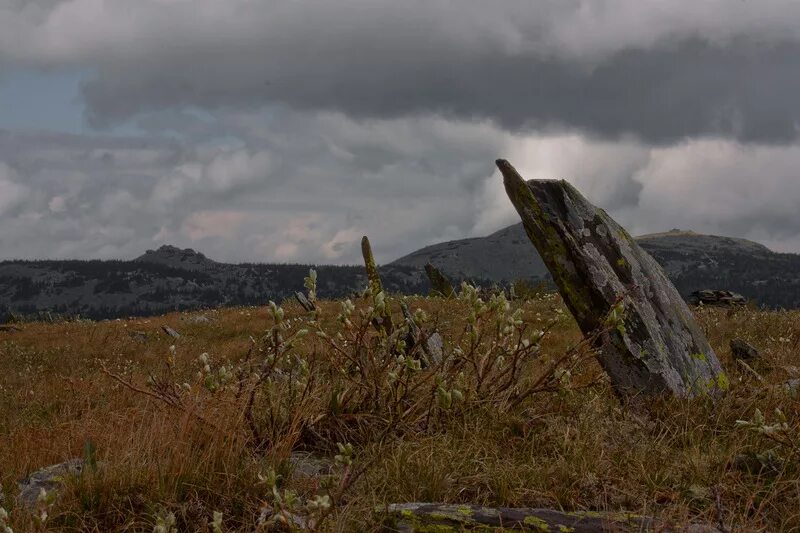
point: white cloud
(280, 193)
(11, 192)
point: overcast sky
(283, 130)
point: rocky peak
(175, 257)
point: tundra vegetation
(321, 419)
(431, 414)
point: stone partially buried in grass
(659, 349)
(49, 478)
(741, 349)
(419, 517)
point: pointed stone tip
(507, 170)
(504, 166)
(515, 185)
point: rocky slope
(692, 261)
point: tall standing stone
(376, 285)
(594, 262)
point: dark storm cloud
(605, 67)
(284, 130)
(744, 90)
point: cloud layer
(308, 190)
(609, 68)
(285, 130)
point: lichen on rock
(595, 262)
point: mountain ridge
(170, 278)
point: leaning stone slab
(411, 517)
(594, 262)
(440, 285)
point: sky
(284, 130)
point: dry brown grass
(574, 448)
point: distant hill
(171, 278)
(692, 261)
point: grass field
(517, 414)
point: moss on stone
(536, 522)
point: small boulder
(792, 387)
(171, 332)
(197, 319)
(304, 302)
(743, 350)
(310, 465)
(138, 335)
(717, 297)
(49, 478)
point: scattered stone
(717, 297)
(431, 344)
(767, 463)
(197, 319)
(49, 478)
(440, 285)
(418, 517)
(743, 350)
(791, 387)
(171, 332)
(310, 465)
(434, 345)
(303, 301)
(595, 263)
(138, 335)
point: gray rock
(430, 343)
(743, 350)
(595, 262)
(171, 332)
(49, 478)
(138, 335)
(410, 517)
(717, 298)
(791, 387)
(197, 319)
(767, 463)
(310, 465)
(303, 301)
(433, 347)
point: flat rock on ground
(48, 478)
